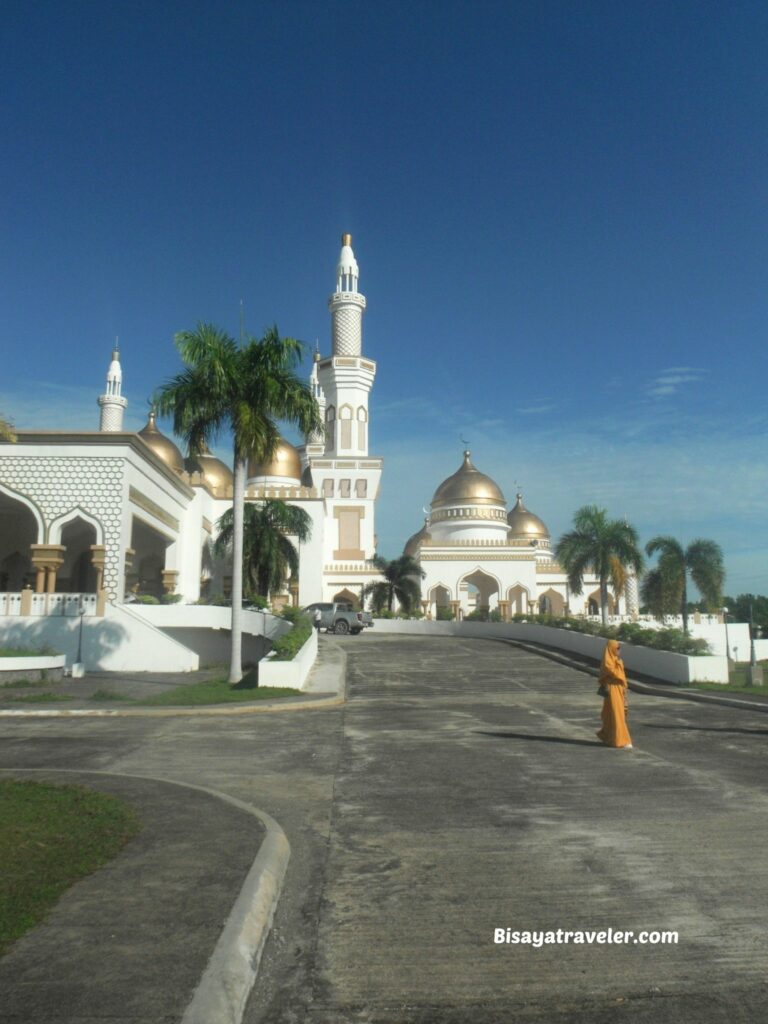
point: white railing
(50, 604)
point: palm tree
(242, 388)
(665, 588)
(400, 582)
(7, 433)
(268, 554)
(607, 547)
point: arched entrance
(77, 574)
(346, 596)
(482, 594)
(593, 603)
(150, 548)
(551, 603)
(19, 528)
(518, 599)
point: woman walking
(613, 679)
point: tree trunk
(685, 604)
(604, 601)
(238, 506)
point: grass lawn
(51, 836)
(738, 681)
(215, 691)
(39, 698)
(23, 652)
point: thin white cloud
(669, 381)
(535, 410)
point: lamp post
(755, 673)
(727, 645)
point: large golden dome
(285, 463)
(214, 472)
(523, 523)
(161, 445)
(468, 485)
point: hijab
(612, 668)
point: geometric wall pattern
(60, 484)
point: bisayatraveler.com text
(587, 937)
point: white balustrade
(50, 604)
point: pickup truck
(336, 618)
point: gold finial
(346, 239)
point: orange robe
(614, 732)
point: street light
(727, 645)
(755, 674)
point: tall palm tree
(400, 582)
(268, 555)
(241, 388)
(7, 433)
(607, 547)
(665, 588)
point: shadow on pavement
(541, 739)
(708, 728)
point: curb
(222, 992)
(637, 686)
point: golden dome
(214, 472)
(468, 485)
(523, 523)
(161, 445)
(285, 463)
(412, 544)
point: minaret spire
(112, 403)
(347, 304)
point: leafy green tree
(7, 433)
(606, 547)
(401, 576)
(664, 589)
(740, 605)
(268, 554)
(243, 389)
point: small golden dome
(161, 445)
(523, 523)
(285, 463)
(468, 485)
(412, 544)
(214, 472)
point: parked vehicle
(367, 616)
(336, 618)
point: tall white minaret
(347, 304)
(346, 377)
(112, 403)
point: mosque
(114, 514)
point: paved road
(461, 789)
(472, 794)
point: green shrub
(171, 598)
(384, 614)
(445, 614)
(287, 647)
(257, 601)
(146, 599)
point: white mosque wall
(672, 668)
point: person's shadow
(539, 739)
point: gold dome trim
(161, 445)
(468, 485)
(285, 463)
(523, 523)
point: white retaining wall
(118, 642)
(290, 673)
(673, 668)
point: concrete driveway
(462, 790)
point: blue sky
(559, 211)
